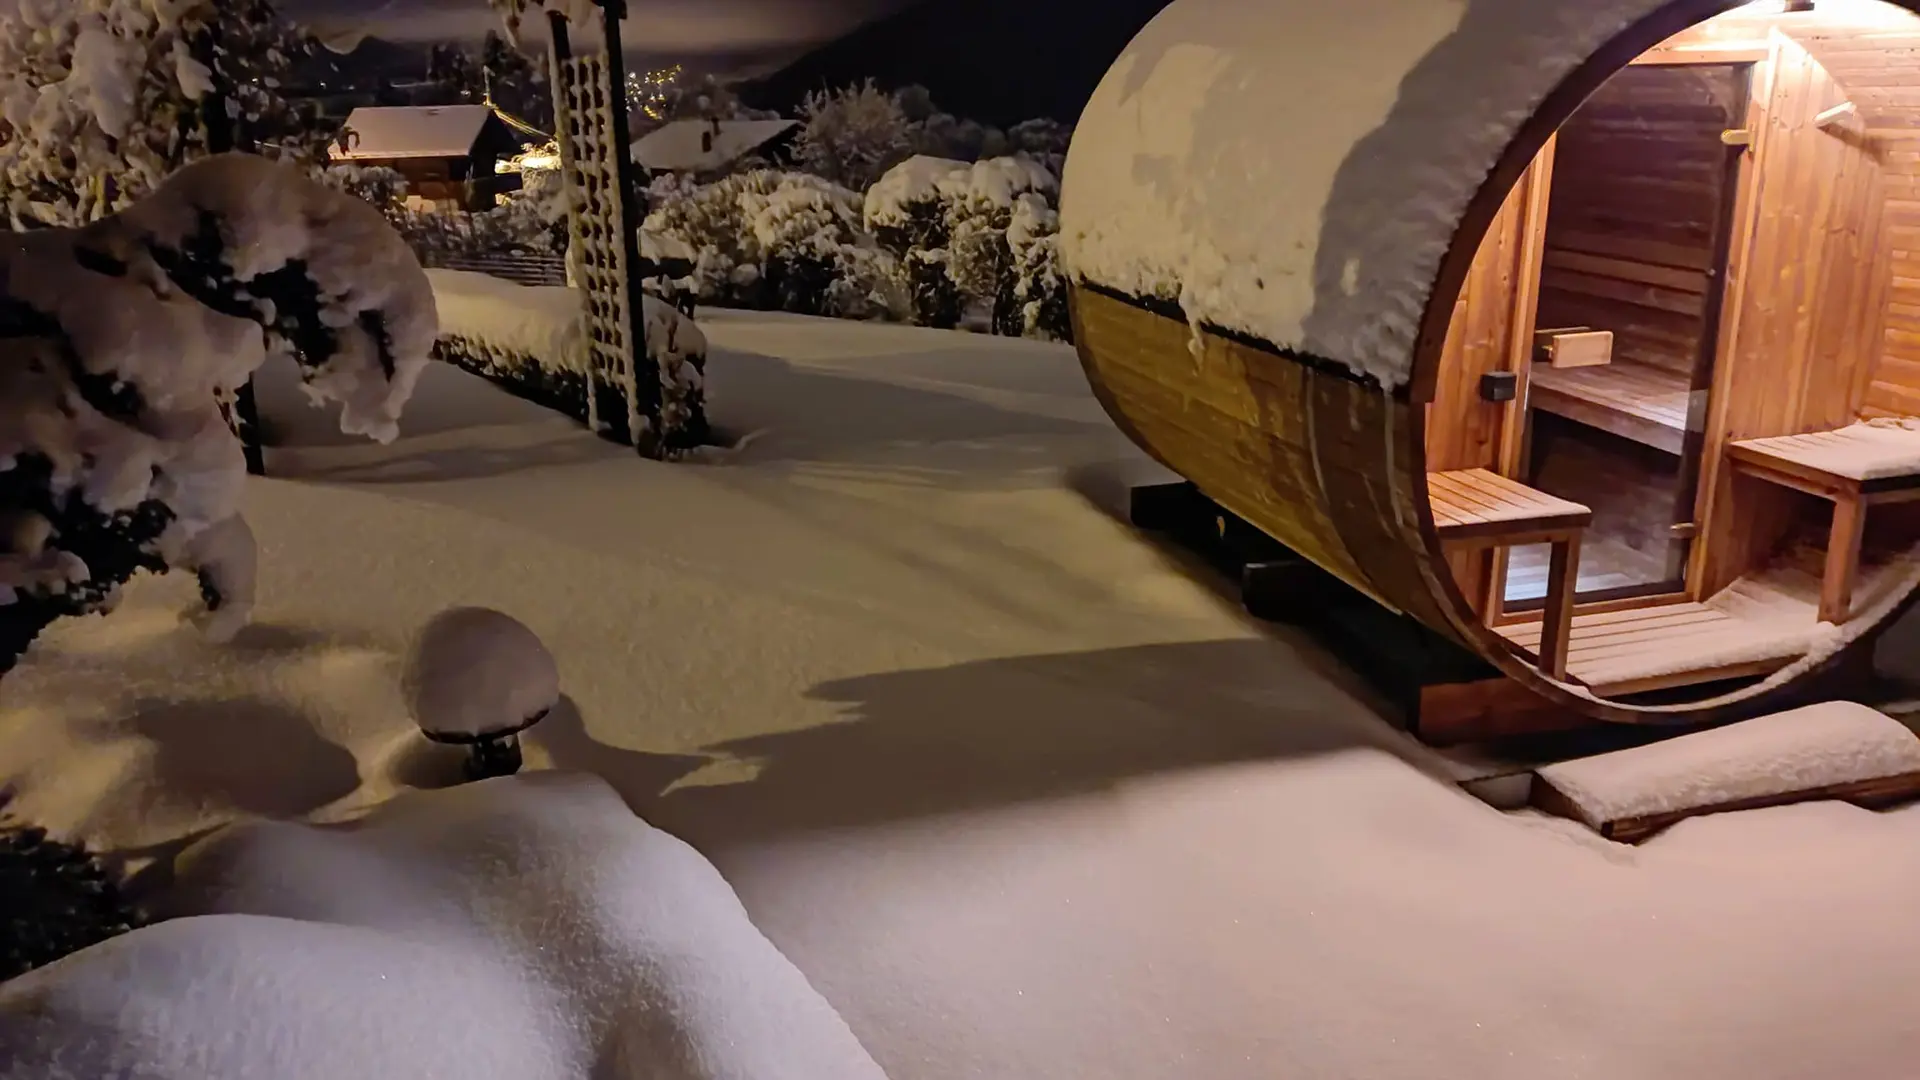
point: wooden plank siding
(1804, 336)
(1873, 53)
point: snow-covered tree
(1043, 140)
(853, 136)
(498, 70)
(102, 99)
(120, 339)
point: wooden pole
(650, 395)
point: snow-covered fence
(519, 267)
(534, 341)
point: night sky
(701, 32)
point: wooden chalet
(448, 153)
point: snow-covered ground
(1019, 795)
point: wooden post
(650, 395)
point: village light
(477, 678)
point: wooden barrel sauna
(1319, 269)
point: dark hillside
(995, 61)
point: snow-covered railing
(533, 342)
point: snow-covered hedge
(533, 341)
(119, 341)
(932, 242)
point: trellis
(624, 384)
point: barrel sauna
(1578, 330)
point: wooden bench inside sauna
(1582, 335)
(1696, 300)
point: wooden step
(1685, 644)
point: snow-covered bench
(1867, 464)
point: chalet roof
(437, 131)
(684, 145)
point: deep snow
(1018, 794)
(526, 929)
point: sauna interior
(1671, 447)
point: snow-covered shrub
(774, 241)
(102, 99)
(531, 928)
(907, 213)
(122, 336)
(383, 187)
(980, 204)
(852, 136)
(1040, 284)
(56, 898)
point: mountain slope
(996, 61)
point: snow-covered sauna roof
(392, 132)
(1295, 170)
(685, 146)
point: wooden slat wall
(1796, 355)
(1881, 73)
(1636, 205)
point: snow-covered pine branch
(102, 99)
(117, 341)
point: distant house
(704, 148)
(448, 153)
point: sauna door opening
(1627, 322)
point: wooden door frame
(1514, 427)
(1512, 448)
(1733, 290)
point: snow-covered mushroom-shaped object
(477, 678)
(1399, 282)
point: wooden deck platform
(1682, 644)
(1634, 401)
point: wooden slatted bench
(1852, 468)
(1477, 508)
(1634, 401)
